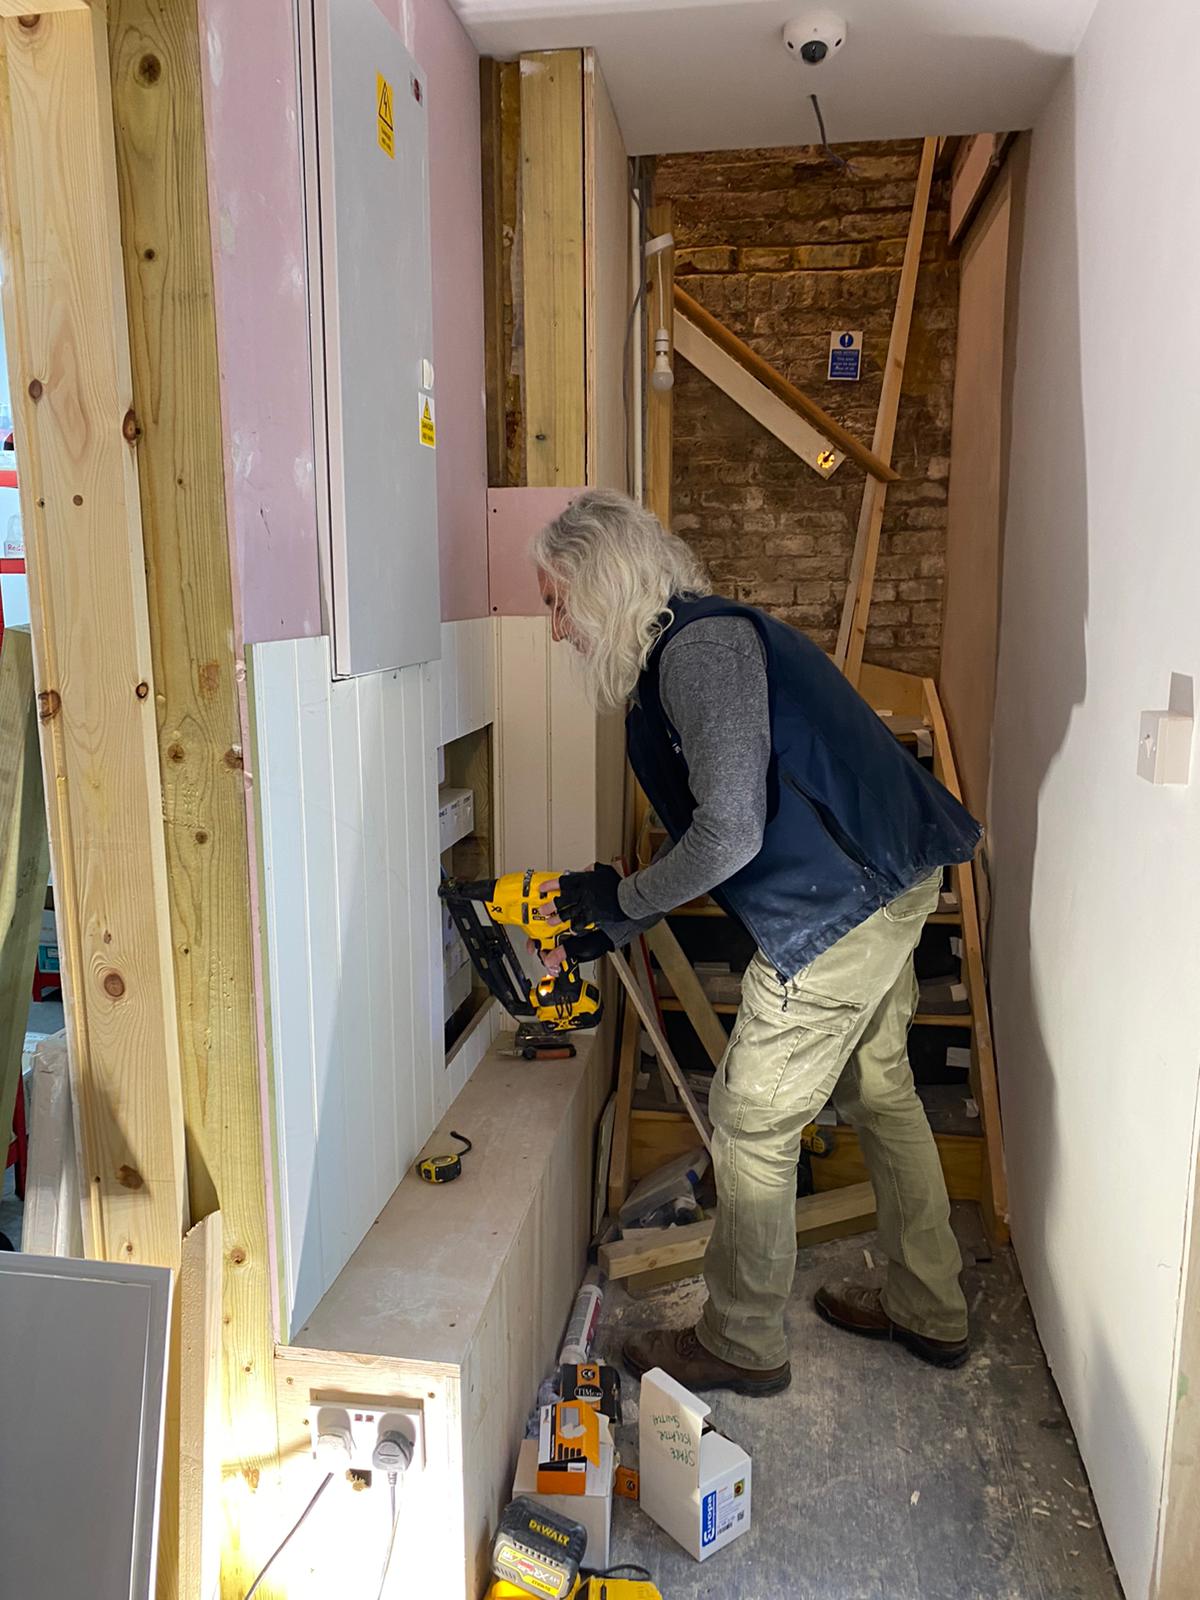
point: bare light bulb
(662, 378)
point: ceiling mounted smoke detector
(815, 38)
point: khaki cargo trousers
(837, 1031)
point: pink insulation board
(252, 113)
(514, 516)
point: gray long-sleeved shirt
(713, 686)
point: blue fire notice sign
(845, 356)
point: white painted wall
(346, 783)
(1096, 940)
(708, 75)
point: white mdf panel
(347, 802)
(522, 744)
(368, 182)
(560, 768)
(468, 676)
(82, 1391)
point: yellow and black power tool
(538, 1552)
(548, 1009)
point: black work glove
(580, 947)
(590, 897)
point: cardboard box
(595, 1383)
(593, 1509)
(456, 815)
(695, 1483)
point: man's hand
(586, 898)
(576, 948)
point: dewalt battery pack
(538, 1551)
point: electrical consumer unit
(367, 195)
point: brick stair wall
(785, 247)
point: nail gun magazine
(548, 1008)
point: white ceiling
(714, 75)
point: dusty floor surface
(877, 1477)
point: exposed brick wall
(784, 247)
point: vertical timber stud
(553, 268)
(491, 121)
(159, 118)
(660, 410)
(77, 430)
(856, 611)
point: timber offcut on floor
(877, 1477)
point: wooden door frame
(112, 335)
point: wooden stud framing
(780, 386)
(52, 1223)
(167, 247)
(24, 860)
(856, 610)
(553, 267)
(660, 405)
(661, 1047)
(818, 1217)
(77, 429)
(495, 365)
(627, 1059)
(201, 1433)
(23, 8)
(994, 1197)
(606, 283)
(69, 361)
(689, 991)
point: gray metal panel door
(83, 1348)
(376, 297)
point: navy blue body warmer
(853, 820)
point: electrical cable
(832, 155)
(292, 1531)
(637, 195)
(387, 1560)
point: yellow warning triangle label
(384, 115)
(427, 428)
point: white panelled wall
(346, 786)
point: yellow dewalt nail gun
(546, 1010)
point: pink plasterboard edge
(514, 516)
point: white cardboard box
(695, 1485)
(591, 1511)
(456, 815)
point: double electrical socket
(347, 1428)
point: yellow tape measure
(444, 1169)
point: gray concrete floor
(877, 1477)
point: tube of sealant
(585, 1319)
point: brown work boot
(859, 1309)
(681, 1355)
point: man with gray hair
(787, 799)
